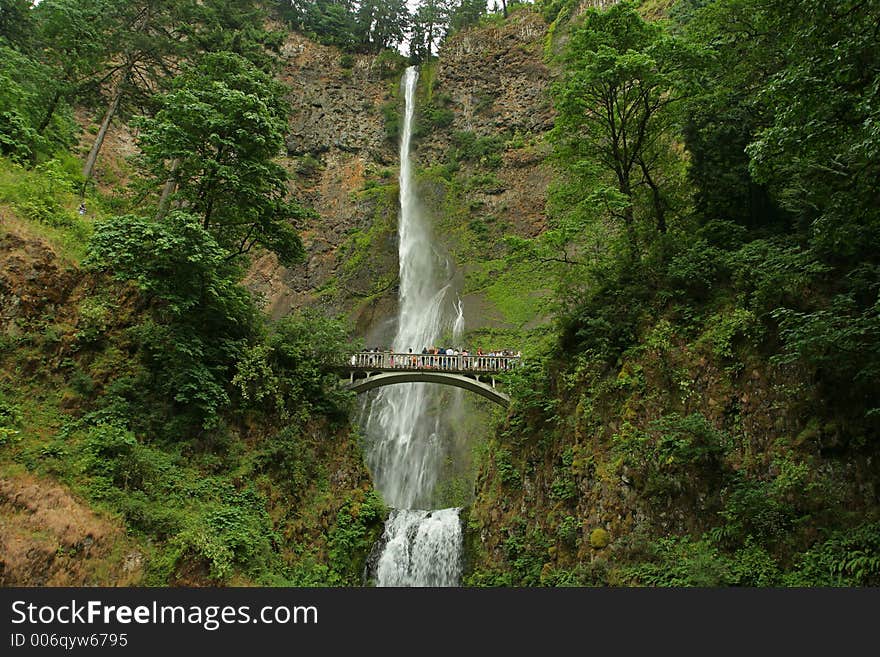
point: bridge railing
(389, 360)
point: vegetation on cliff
(703, 410)
(148, 380)
(708, 414)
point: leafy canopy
(216, 135)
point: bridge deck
(386, 361)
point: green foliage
(507, 471)
(534, 406)
(294, 371)
(202, 318)
(682, 562)
(371, 26)
(466, 13)
(525, 549)
(696, 269)
(432, 116)
(428, 26)
(308, 165)
(556, 10)
(26, 86)
(346, 61)
(675, 457)
(842, 343)
(392, 120)
(357, 528)
(10, 419)
(567, 531)
(485, 150)
(234, 533)
(725, 328)
(617, 101)
(115, 458)
(846, 558)
(770, 274)
(606, 323)
(216, 136)
(564, 486)
(765, 511)
(389, 64)
(44, 196)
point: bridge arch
(443, 378)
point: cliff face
(336, 147)
(48, 537)
(490, 85)
(495, 82)
(484, 116)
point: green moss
(599, 538)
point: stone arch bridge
(368, 370)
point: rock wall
(343, 160)
(337, 143)
(492, 83)
(33, 280)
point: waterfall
(421, 549)
(405, 451)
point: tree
(73, 46)
(727, 113)
(201, 319)
(29, 78)
(819, 151)
(222, 124)
(466, 13)
(429, 25)
(147, 39)
(382, 23)
(21, 98)
(16, 23)
(624, 76)
(239, 26)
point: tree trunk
(625, 188)
(659, 210)
(504, 7)
(168, 190)
(89, 167)
(50, 112)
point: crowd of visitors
(444, 358)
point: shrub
(725, 328)
(432, 117)
(468, 146)
(696, 269)
(846, 558)
(294, 371)
(238, 533)
(682, 562)
(599, 538)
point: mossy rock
(599, 538)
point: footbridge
(368, 370)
